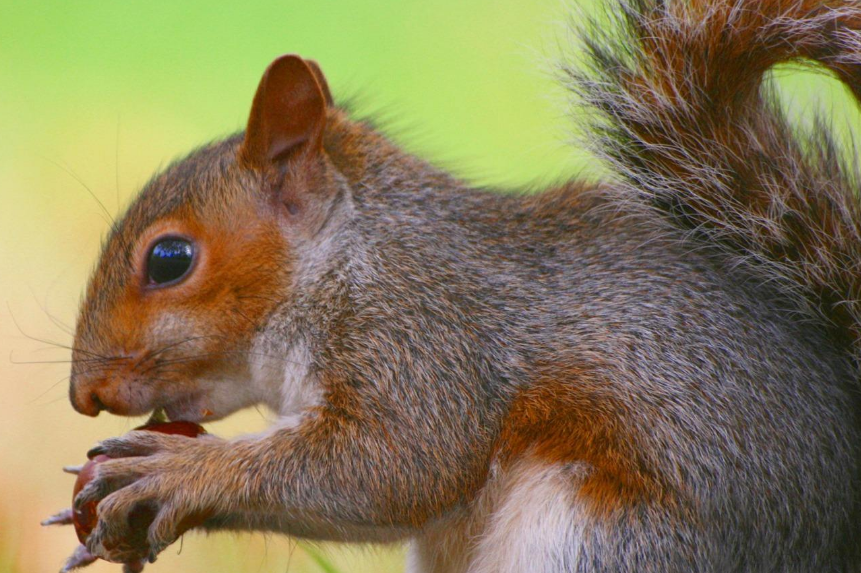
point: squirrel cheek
(171, 325)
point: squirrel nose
(85, 401)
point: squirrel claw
(60, 518)
(74, 470)
(80, 558)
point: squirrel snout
(115, 387)
(96, 388)
(85, 400)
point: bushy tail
(685, 117)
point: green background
(99, 94)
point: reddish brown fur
(570, 416)
(242, 271)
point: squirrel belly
(654, 374)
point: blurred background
(96, 95)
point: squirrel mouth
(182, 414)
(158, 416)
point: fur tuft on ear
(289, 112)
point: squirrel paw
(80, 558)
(139, 443)
(150, 494)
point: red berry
(85, 518)
(180, 427)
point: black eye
(169, 260)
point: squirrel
(658, 372)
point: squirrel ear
(289, 111)
(321, 79)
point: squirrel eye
(169, 260)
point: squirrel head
(203, 257)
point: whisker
(251, 322)
(97, 361)
(260, 297)
(13, 361)
(54, 401)
(50, 388)
(50, 342)
(164, 366)
(259, 411)
(175, 344)
(56, 321)
(70, 361)
(112, 222)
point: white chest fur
(281, 372)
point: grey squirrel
(657, 373)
